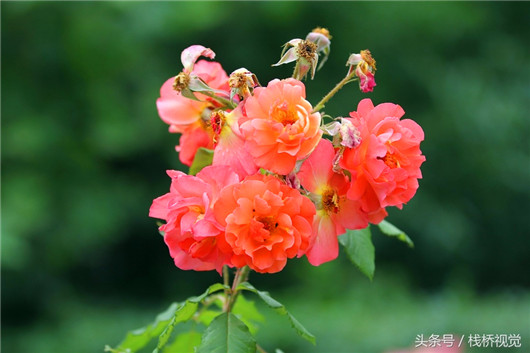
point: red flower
(385, 167)
(191, 232)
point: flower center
(284, 114)
(269, 223)
(306, 49)
(217, 121)
(330, 201)
(390, 160)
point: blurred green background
(84, 153)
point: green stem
(296, 70)
(240, 277)
(226, 102)
(331, 93)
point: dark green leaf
(203, 158)
(393, 231)
(184, 343)
(360, 250)
(227, 334)
(279, 308)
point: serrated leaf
(389, 229)
(137, 339)
(360, 250)
(227, 334)
(246, 311)
(203, 158)
(182, 314)
(164, 323)
(280, 309)
(184, 343)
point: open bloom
(188, 116)
(279, 126)
(230, 144)
(266, 222)
(334, 211)
(191, 232)
(385, 167)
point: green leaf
(137, 339)
(246, 311)
(164, 323)
(203, 158)
(360, 250)
(183, 313)
(206, 316)
(280, 309)
(184, 343)
(393, 231)
(227, 334)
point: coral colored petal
(317, 169)
(325, 247)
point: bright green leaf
(203, 158)
(206, 316)
(184, 343)
(183, 313)
(280, 309)
(246, 311)
(227, 334)
(360, 250)
(393, 231)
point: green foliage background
(84, 153)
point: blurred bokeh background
(84, 153)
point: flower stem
(240, 277)
(223, 101)
(331, 93)
(296, 70)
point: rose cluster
(276, 187)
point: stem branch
(331, 93)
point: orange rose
(279, 126)
(266, 222)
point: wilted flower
(279, 126)
(344, 133)
(242, 83)
(266, 222)
(322, 38)
(385, 167)
(305, 52)
(364, 66)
